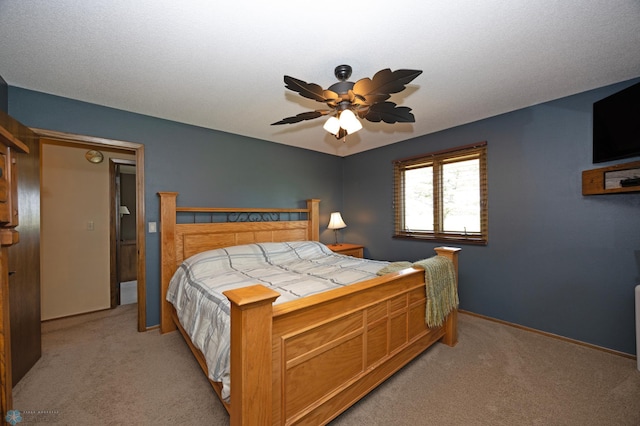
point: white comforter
(293, 269)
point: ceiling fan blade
(308, 115)
(359, 100)
(362, 111)
(309, 90)
(389, 113)
(384, 82)
(331, 96)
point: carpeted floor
(96, 369)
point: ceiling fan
(366, 98)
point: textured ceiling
(220, 65)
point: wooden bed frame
(307, 360)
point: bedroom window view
(442, 196)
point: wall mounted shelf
(611, 180)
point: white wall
(74, 257)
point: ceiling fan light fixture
(332, 125)
(367, 96)
(349, 121)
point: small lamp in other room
(335, 223)
(124, 210)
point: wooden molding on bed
(307, 360)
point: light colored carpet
(96, 369)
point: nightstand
(354, 250)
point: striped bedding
(293, 269)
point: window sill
(442, 239)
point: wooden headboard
(178, 241)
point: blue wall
(556, 260)
(207, 167)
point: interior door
(24, 265)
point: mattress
(293, 269)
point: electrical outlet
(90, 226)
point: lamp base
(335, 231)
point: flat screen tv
(616, 125)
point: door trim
(138, 149)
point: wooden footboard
(307, 360)
(328, 350)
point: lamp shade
(336, 222)
(349, 122)
(332, 125)
(124, 210)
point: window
(443, 196)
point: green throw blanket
(440, 280)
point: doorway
(123, 247)
(138, 152)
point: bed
(306, 360)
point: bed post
(313, 205)
(251, 355)
(450, 337)
(167, 255)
